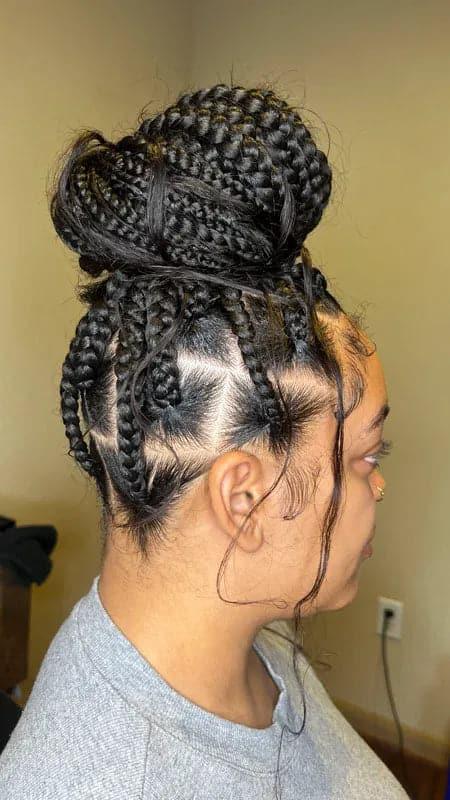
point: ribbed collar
(134, 678)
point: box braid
(80, 368)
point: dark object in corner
(9, 717)
(24, 559)
(25, 550)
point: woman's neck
(191, 644)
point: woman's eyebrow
(377, 420)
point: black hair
(193, 229)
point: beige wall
(377, 74)
(63, 66)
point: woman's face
(297, 557)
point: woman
(234, 415)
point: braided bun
(227, 181)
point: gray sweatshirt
(102, 724)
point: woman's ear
(235, 484)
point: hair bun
(227, 182)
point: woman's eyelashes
(383, 451)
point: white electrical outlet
(394, 627)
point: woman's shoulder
(331, 733)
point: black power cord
(388, 613)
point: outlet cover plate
(394, 629)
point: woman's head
(224, 388)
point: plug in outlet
(394, 628)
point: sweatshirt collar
(136, 680)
